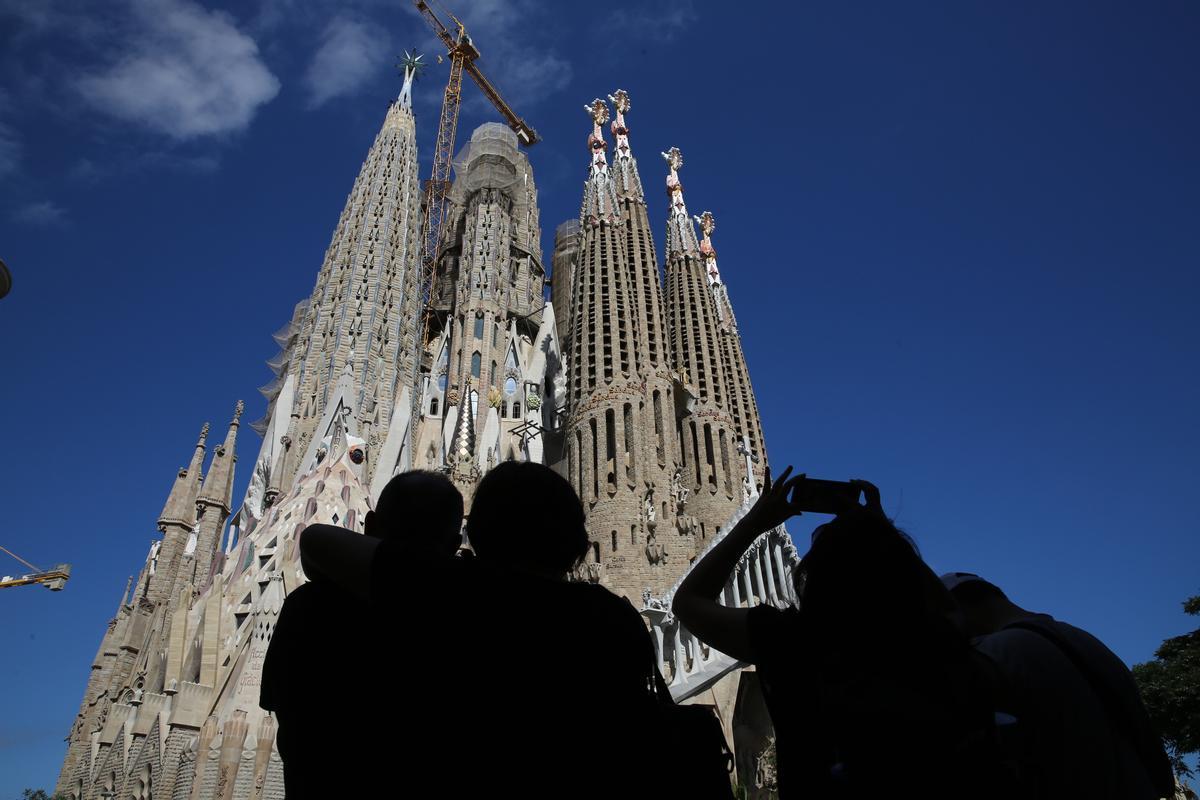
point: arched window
(517, 410)
(479, 326)
(476, 363)
(433, 407)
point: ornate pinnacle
(674, 159)
(707, 223)
(598, 111)
(237, 412)
(620, 100)
(203, 434)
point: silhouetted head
(422, 507)
(528, 517)
(863, 577)
(985, 608)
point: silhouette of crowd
(412, 664)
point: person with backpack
(872, 689)
(1087, 730)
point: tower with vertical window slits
(708, 438)
(620, 435)
(359, 322)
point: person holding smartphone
(871, 688)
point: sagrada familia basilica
(633, 386)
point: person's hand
(777, 503)
(870, 495)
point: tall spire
(629, 183)
(180, 507)
(681, 236)
(720, 295)
(599, 193)
(215, 501)
(218, 483)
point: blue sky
(961, 239)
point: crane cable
(18, 558)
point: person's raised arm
(695, 601)
(339, 556)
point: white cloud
(663, 22)
(42, 213)
(185, 72)
(351, 53)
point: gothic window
(441, 382)
(479, 326)
(709, 459)
(476, 363)
(633, 534)
(433, 407)
(614, 541)
(725, 464)
(628, 430)
(495, 334)
(492, 375)
(610, 449)
(510, 386)
(596, 552)
(516, 410)
(658, 427)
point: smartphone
(825, 497)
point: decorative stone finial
(707, 224)
(598, 111)
(412, 64)
(674, 160)
(620, 101)
(203, 435)
(237, 412)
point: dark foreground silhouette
(493, 675)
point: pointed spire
(707, 226)
(218, 483)
(412, 63)
(180, 507)
(599, 192)
(720, 293)
(125, 594)
(464, 430)
(681, 236)
(629, 183)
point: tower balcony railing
(763, 575)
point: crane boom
(53, 579)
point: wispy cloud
(184, 71)
(351, 52)
(521, 52)
(43, 214)
(662, 21)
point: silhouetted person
(1076, 702)
(872, 690)
(322, 666)
(534, 685)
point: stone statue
(651, 514)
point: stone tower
(619, 436)
(562, 266)
(740, 393)
(708, 436)
(354, 351)
(488, 394)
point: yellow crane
(53, 579)
(463, 54)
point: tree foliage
(1170, 687)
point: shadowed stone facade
(644, 411)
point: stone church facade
(633, 387)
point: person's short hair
(526, 515)
(424, 507)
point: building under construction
(449, 357)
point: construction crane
(53, 579)
(463, 55)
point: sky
(960, 238)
